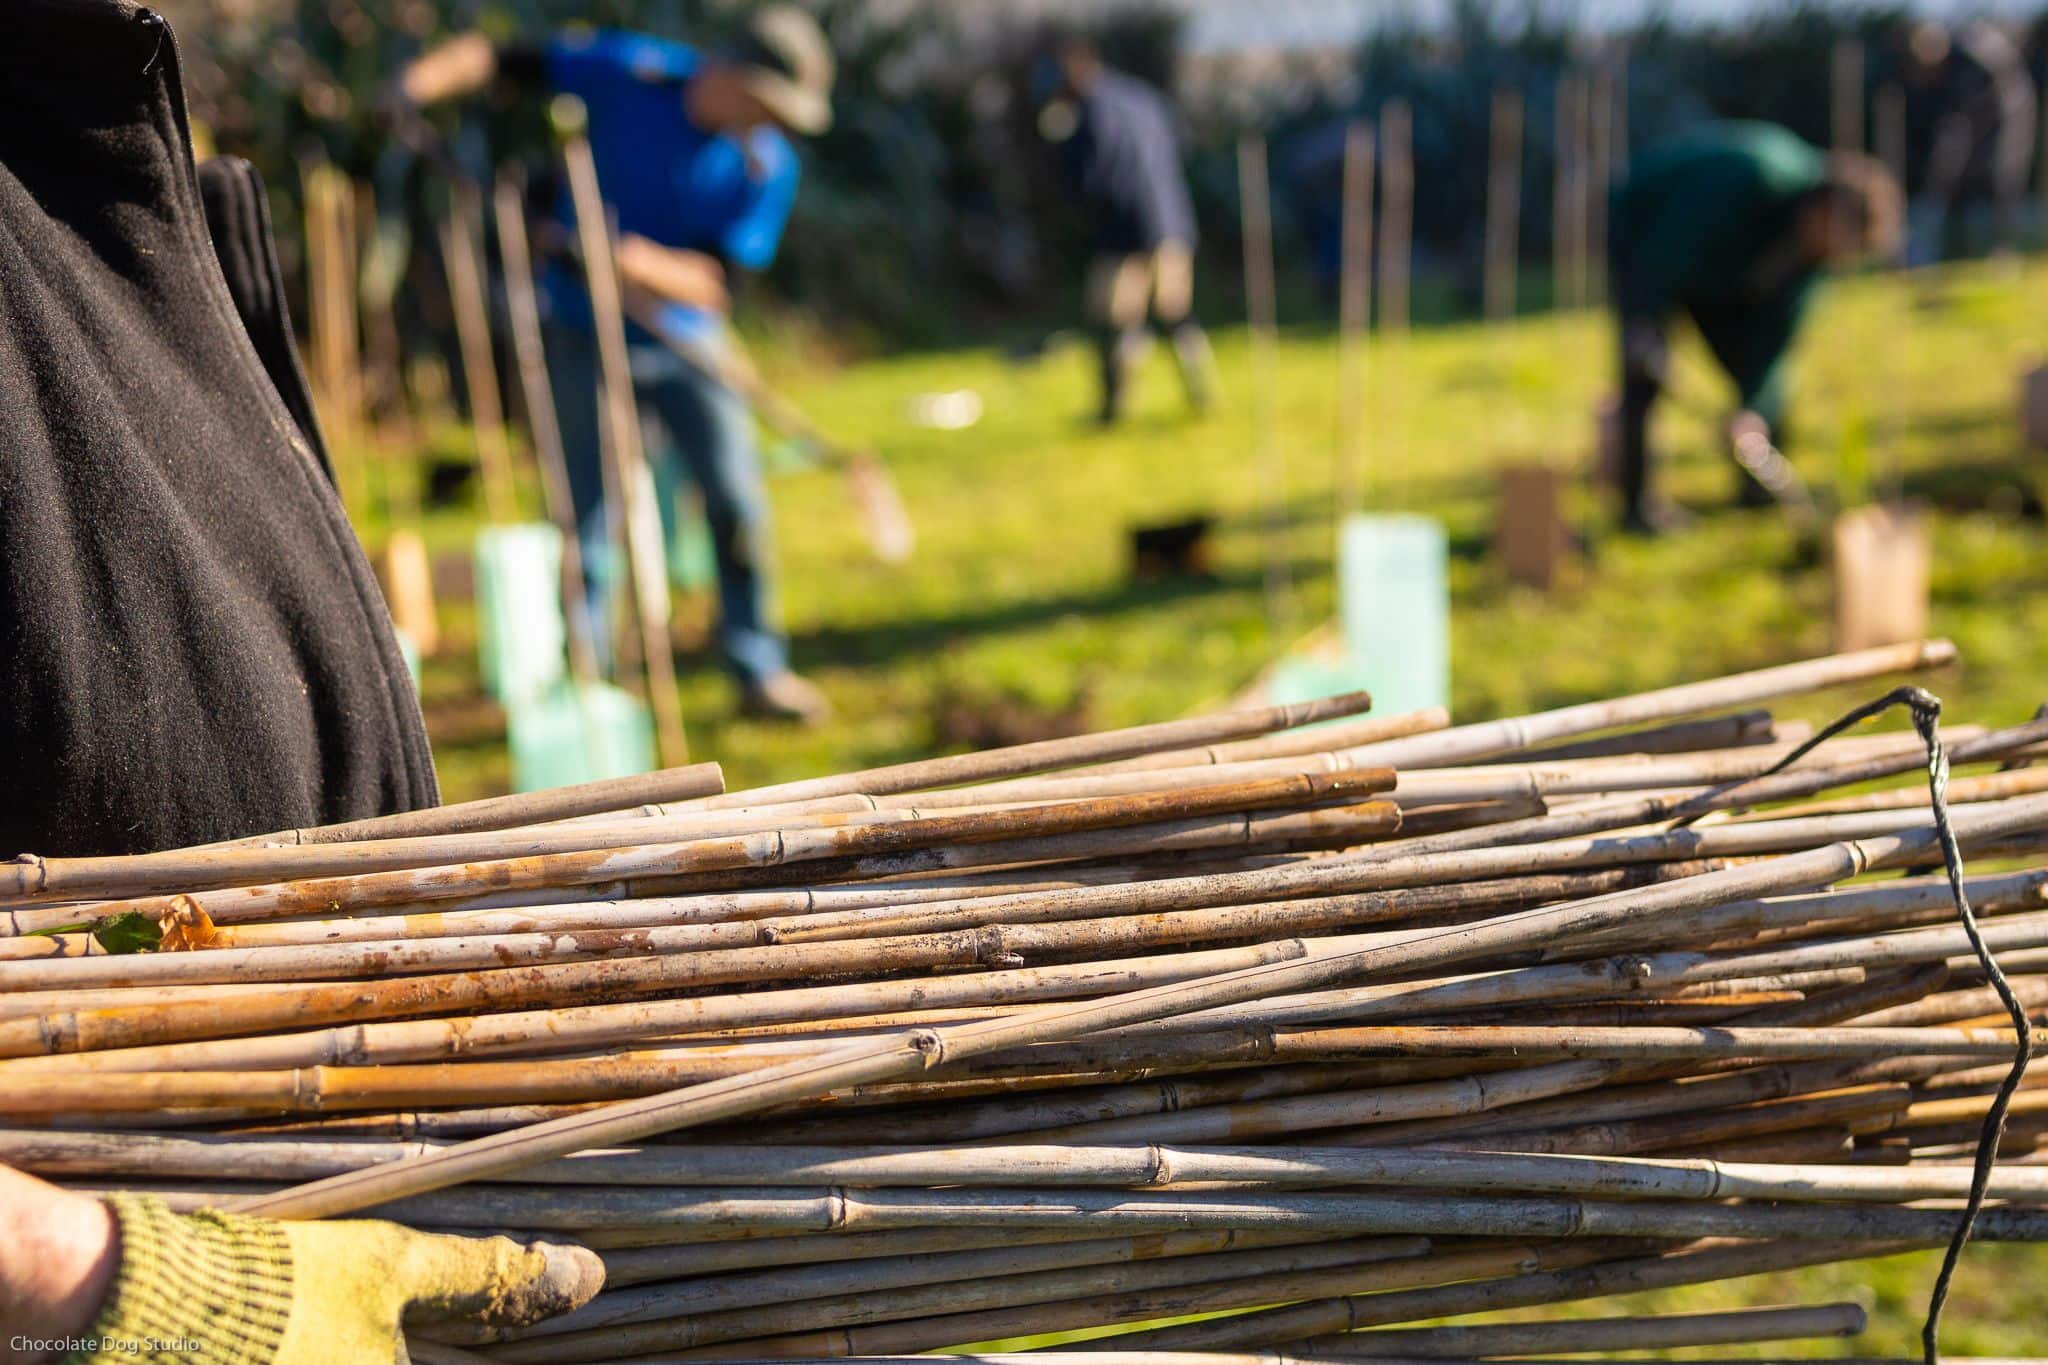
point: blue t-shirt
(663, 177)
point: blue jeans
(688, 422)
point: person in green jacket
(1730, 226)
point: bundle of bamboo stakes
(1325, 1021)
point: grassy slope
(1020, 594)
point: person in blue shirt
(1120, 147)
(695, 166)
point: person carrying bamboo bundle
(1732, 226)
(1120, 149)
(691, 151)
(192, 646)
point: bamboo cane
(1607, 1041)
(1486, 738)
(1309, 1323)
(1739, 729)
(952, 1328)
(1354, 312)
(669, 1331)
(886, 1059)
(1048, 1166)
(627, 460)
(840, 1279)
(543, 424)
(765, 848)
(463, 254)
(1044, 755)
(1614, 1334)
(1261, 312)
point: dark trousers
(692, 427)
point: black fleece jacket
(192, 646)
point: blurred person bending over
(1120, 148)
(1977, 93)
(691, 155)
(1730, 226)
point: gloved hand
(308, 1293)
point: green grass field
(1019, 616)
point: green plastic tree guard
(578, 733)
(521, 637)
(1394, 608)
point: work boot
(1121, 351)
(1197, 362)
(784, 696)
(1653, 517)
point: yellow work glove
(220, 1289)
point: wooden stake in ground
(462, 251)
(1568, 195)
(1354, 313)
(1397, 228)
(1599, 175)
(1530, 536)
(1261, 310)
(1888, 118)
(1845, 95)
(331, 320)
(545, 429)
(624, 453)
(1503, 204)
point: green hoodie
(1704, 225)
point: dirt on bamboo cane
(1444, 1099)
(623, 1304)
(1505, 780)
(1647, 1093)
(668, 1331)
(1271, 833)
(884, 1060)
(521, 990)
(1357, 871)
(1658, 1332)
(315, 895)
(202, 869)
(425, 1040)
(1624, 1093)
(1950, 1006)
(997, 945)
(1309, 1323)
(769, 1256)
(948, 1329)
(1248, 1171)
(787, 909)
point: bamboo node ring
(1163, 1172)
(929, 1044)
(26, 864)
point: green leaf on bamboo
(128, 932)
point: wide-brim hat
(789, 68)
